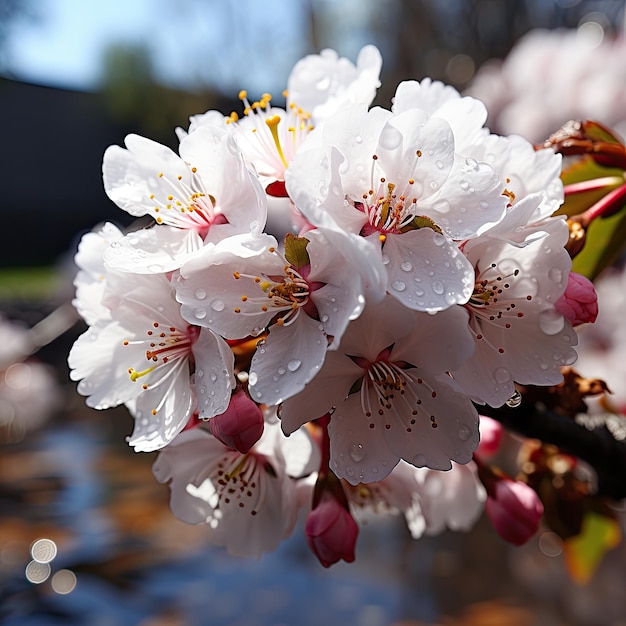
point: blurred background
(78, 76)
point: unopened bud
(579, 303)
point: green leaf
(583, 553)
(296, 252)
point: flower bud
(241, 425)
(514, 510)
(490, 437)
(330, 529)
(579, 303)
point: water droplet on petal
(217, 305)
(200, 294)
(199, 313)
(502, 375)
(281, 370)
(252, 380)
(438, 287)
(419, 460)
(398, 285)
(293, 365)
(515, 400)
(439, 164)
(464, 185)
(358, 139)
(439, 239)
(406, 266)
(551, 321)
(349, 470)
(390, 137)
(213, 377)
(555, 274)
(357, 452)
(464, 432)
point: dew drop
(439, 164)
(200, 294)
(464, 185)
(398, 285)
(349, 470)
(324, 318)
(213, 377)
(252, 380)
(199, 313)
(406, 266)
(281, 370)
(199, 373)
(502, 375)
(438, 287)
(357, 452)
(390, 137)
(515, 400)
(358, 139)
(217, 305)
(464, 432)
(293, 365)
(551, 321)
(555, 274)
(419, 460)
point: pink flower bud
(579, 303)
(331, 531)
(490, 437)
(514, 510)
(241, 425)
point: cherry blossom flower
(392, 189)
(519, 334)
(143, 355)
(248, 500)
(390, 394)
(204, 195)
(307, 298)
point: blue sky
(193, 41)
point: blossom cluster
(419, 276)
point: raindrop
(252, 380)
(213, 377)
(357, 452)
(406, 266)
(349, 470)
(551, 321)
(515, 400)
(217, 305)
(324, 318)
(464, 185)
(438, 239)
(464, 432)
(358, 139)
(293, 365)
(471, 163)
(200, 294)
(199, 373)
(438, 287)
(555, 274)
(281, 370)
(419, 460)
(502, 375)
(199, 313)
(398, 285)
(439, 164)
(390, 138)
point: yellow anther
(134, 374)
(265, 285)
(382, 238)
(285, 93)
(154, 411)
(244, 298)
(243, 94)
(237, 275)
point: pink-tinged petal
(469, 202)
(358, 454)
(241, 425)
(302, 454)
(210, 293)
(214, 373)
(466, 116)
(162, 412)
(335, 379)
(514, 510)
(443, 341)
(453, 499)
(237, 193)
(579, 303)
(416, 147)
(291, 356)
(153, 250)
(427, 271)
(131, 176)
